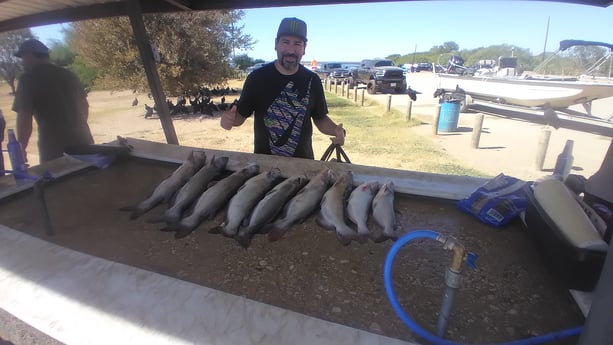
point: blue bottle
(20, 170)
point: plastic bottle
(565, 161)
(13, 146)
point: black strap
(341, 156)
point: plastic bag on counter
(496, 202)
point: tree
(10, 66)
(195, 49)
(243, 61)
(60, 54)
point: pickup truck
(379, 75)
(324, 70)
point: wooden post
(362, 102)
(437, 114)
(388, 106)
(342, 90)
(348, 88)
(355, 93)
(335, 88)
(477, 131)
(144, 48)
(325, 83)
(409, 110)
(541, 150)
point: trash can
(448, 117)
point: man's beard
(290, 65)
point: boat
(502, 84)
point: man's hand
(228, 118)
(339, 135)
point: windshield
(384, 63)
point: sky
(350, 33)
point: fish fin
(228, 233)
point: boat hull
(527, 92)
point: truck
(379, 75)
(324, 69)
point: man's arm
(24, 130)
(328, 127)
(85, 105)
(231, 118)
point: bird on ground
(135, 102)
(550, 116)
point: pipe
(453, 280)
(416, 328)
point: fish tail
(158, 219)
(275, 232)
(183, 230)
(127, 209)
(137, 212)
(216, 230)
(344, 239)
(244, 239)
(383, 238)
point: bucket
(449, 115)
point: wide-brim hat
(293, 27)
(32, 46)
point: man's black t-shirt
(283, 106)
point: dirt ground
(510, 295)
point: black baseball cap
(293, 27)
(32, 46)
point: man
(285, 96)
(55, 98)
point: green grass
(385, 139)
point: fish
(169, 186)
(245, 199)
(384, 214)
(194, 188)
(269, 207)
(212, 200)
(359, 206)
(300, 206)
(332, 212)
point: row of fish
(265, 202)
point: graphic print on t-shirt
(284, 120)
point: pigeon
(135, 102)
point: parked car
(424, 66)
(254, 67)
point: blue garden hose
(421, 332)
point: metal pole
(437, 114)
(477, 131)
(541, 150)
(598, 328)
(144, 47)
(388, 107)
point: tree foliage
(10, 65)
(243, 61)
(195, 49)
